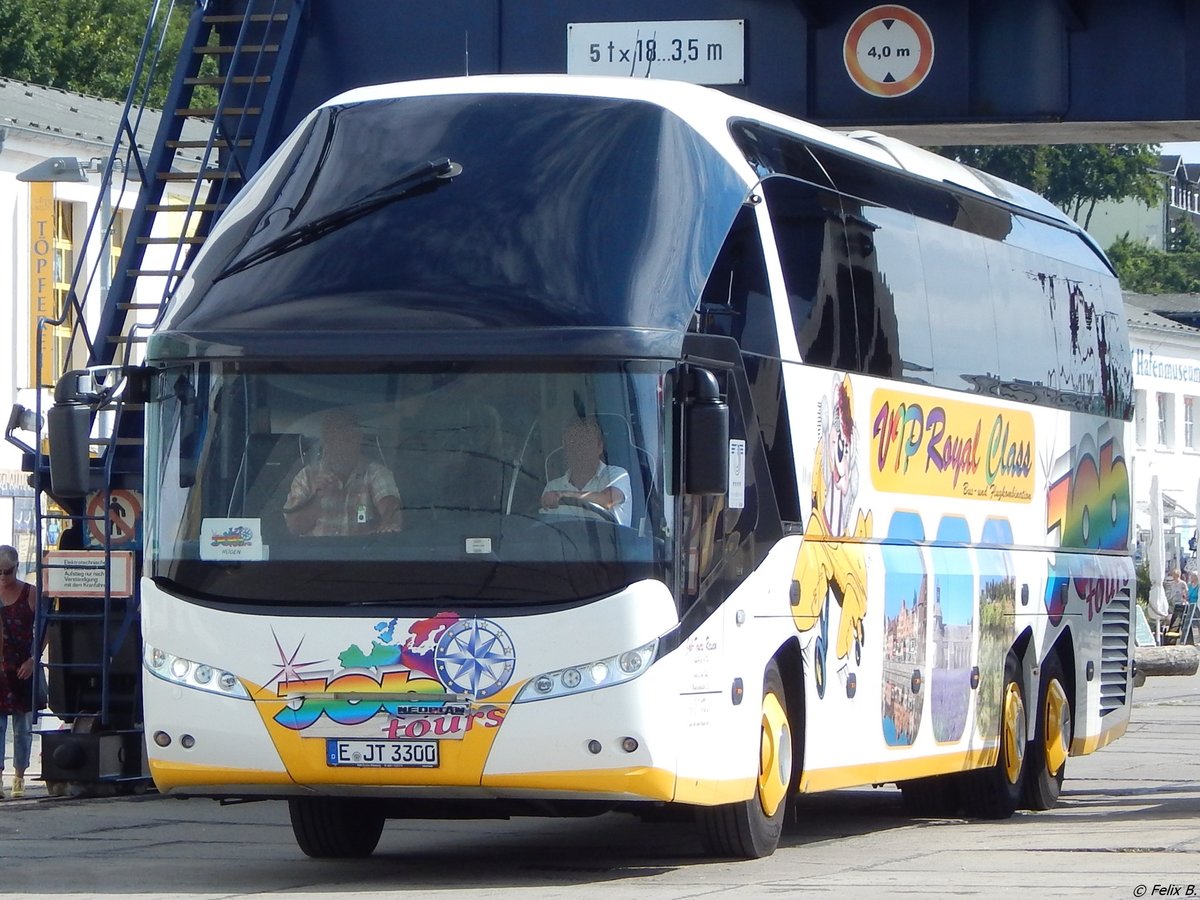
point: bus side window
(810, 233)
(703, 541)
(962, 320)
(889, 282)
(719, 542)
(737, 299)
(737, 302)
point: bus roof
(708, 111)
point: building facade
(1151, 225)
(1165, 439)
(47, 229)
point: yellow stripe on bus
(1085, 745)
(170, 775)
(650, 783)
(887, 771)
(714, 792)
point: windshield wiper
(427, 175)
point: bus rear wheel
(995, 792)
(751, 828)
(1047, 754)
(336, 828)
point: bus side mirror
(705, 435)
(68, 427)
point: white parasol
(1158, 608)
(1196, 508)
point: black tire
(334, 828)
(1046, 760)
(996, 792)
(745, 830)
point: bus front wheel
(995, 792)
(1047, 754)
(336, 828)
(750, 829)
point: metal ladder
(225, 84)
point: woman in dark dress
(17, 600)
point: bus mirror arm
(705, 435)
(77, 395)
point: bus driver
(587, 477)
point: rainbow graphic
(1088, 507)
(237, 536)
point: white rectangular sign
(231, 540)
(80, 573)
(737, 474)
(700, 51)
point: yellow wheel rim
(1014, 732)
(1057, 731)
(775, 755)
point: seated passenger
(342, 493)
(587, 477)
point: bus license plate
(415, 754)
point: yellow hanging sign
(41, 283)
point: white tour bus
(842, 498)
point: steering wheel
(603, 512)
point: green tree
(27, 51)
(86, 46)
(1182, 236)
(1146, 270)
(1074, 177)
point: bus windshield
(286, 485)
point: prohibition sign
(888, 51)
(124, 510)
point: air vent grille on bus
(1114, 659)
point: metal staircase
(225, 86)
(235, 52)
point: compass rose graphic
(475, 656)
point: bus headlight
(189, 674)
(589, 676)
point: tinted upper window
(737, 300)
(962, 322)
(893, 275)
(810, 234)
(773, 152)
(890, 283)
(843, 308)
(567, 211)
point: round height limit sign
(888, 51)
